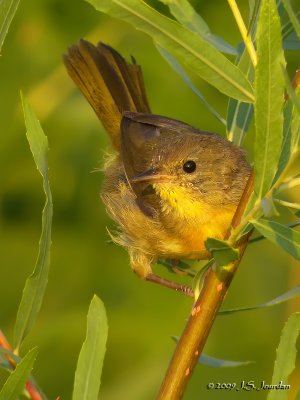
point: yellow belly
(188, 240)
(187, 223)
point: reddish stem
(31, 389)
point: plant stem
(203, 314)
(243, 30)
(288, 204)
(31, 389)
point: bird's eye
(189, 166)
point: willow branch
(202, 316)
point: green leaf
(17, 359)
(285, 356)
(261, 237)
(184, 12)
(239, 114)
(268, 207)
(90, 361)
(221, 251)
(290, 90)
(287, 28)
(185, 45)
(269, 96)
(15, 383)
(177, 67)
(292, 16)
(8, 9)
(36, 283)
(221, 363)
(291, 43)
(180, 265)
(199, 278)
(287, 139)
(283, 236)
(288, 204)
(4, 364)
(291, 294)
(186, 15)
(254, 6)
(295, 126)
(9, 354)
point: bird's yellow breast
(189, 221)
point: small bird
(169, 186)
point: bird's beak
(151, 176)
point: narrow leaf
(291, 43)
(90, 361)
(283, 236)
(287, 139)
(8, 9)
(186, 15)
(285, 356)
(291, 294)
(295, 126)
(292, 16)
(199, 278)
(4, 364)
(9, 354)
(288, 29)
(36, 283)
(220, 44)
(239, 114)
(288, 204)
(222, 252)
(177, 67)
(261, 237)
(180, 265)
(254, 6)
(15, 383)
(268, 207)
(185, 45)
(221, 363)
(269, 90)
(290, 90)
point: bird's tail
(110, 84)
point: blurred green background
(142, 317)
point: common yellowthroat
(168, 186)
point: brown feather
(109, 83)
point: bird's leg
(184, 289)
(141, 264)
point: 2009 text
(247, 386)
